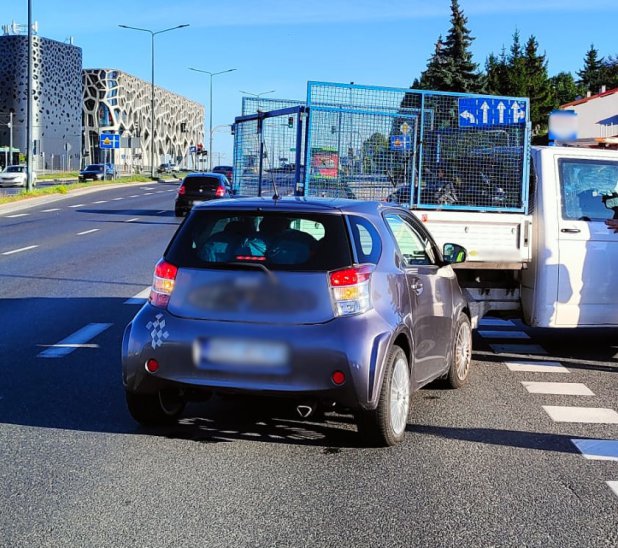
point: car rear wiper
(264, 268)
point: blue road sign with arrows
(109, 140)
(485, 111)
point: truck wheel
(386, 425)
(161, 408)
(461, 355)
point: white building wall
(597, 117)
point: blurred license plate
(244, 352)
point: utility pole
(29, 105)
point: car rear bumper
(355, 346)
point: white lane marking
(503, 334)
(20, 250)
(518, 349)
(148, 193)
(613, 485)
(116, 199)
(162, 211)
(78, 205)
(88, 231)
(17, 215)
(134, 196)
(159, 191)
(564, 388)
(100, 202)
(79, 339)
(146, 188)
(597, 449)
(171, 190)
(50, 210)
(536, 367)
(593, 415)
(132, 220)
(495, 322)
(140, 298)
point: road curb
(36, 201)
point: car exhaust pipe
(305, 410)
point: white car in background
(15, 176)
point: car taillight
(163, 283)
(350, 291)
(181, 190)
(220, 191)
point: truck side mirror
(454, 253)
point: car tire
(461, 353)
(386, 425)
(161, 408)
(179, 212)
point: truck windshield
(583, 186)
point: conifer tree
(497, 74)
(438, 74)
(463, 72)
(591, 76)
(565, 89)
(537, 87)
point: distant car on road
(335, 303)
(15, 176)
(200, 187)
(228, 171)
(168, 168)
(96, 172)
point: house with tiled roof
(597, 115)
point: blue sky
(279, 45)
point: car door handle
(570, 230)
(416, 286)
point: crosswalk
(497, 329)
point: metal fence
(418, 148)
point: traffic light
(291, 121)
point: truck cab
(571, 278)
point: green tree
(464, 73)
(592, 75)
(497, 74)
(438, 74)
(517, 73)
(537, 85)
(565, 88)
(610, 70)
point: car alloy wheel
(399, 396)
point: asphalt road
(487, 465)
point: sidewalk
(27, 203)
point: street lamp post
(211, 74)
(152, 86)
(257, 95)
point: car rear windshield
(308, 242)
(94, 167)
(195, 184)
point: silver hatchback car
(324, 302)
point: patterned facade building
(57, 99)
(116, 102)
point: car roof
(298, 204)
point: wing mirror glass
(454, 253)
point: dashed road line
(536, 367)
(79, 339)
(597, 449)
(78, 205)
(17, 215)
(148, 193)
(20, 250)
(171, 190)
(489, 334)
(518, 349)
(140, 298)
(134, 196)
(88, 231)
(132, 220)
(100, 202)
(594, 415)
(161, 211)
(116, 199)
(50, 210)
(558, 388)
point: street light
(152, 89)
(211, 74)
(257, 95)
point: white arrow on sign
(485, 109)
(468, 116)
(516, 114)
(501, 108)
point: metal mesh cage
(418, 148)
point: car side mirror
(454, 253)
